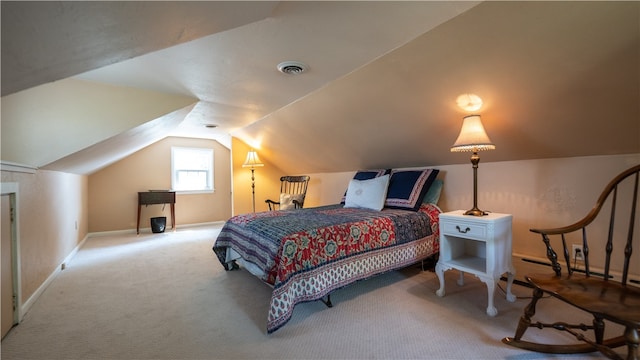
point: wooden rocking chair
(293, 190)
(609, 296)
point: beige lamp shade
(252, 160)
(472, 136)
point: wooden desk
(157, 197)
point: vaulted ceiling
(87, 83)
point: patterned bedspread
(307, 253)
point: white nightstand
(479, 245)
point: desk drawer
(465, 229)
(156, 197)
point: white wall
(539, 193)
(52, 223)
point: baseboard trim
(26, 306)
(147, 230)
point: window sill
(193, 192)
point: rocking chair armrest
(596, 208)
(565, 229)
(557, 231)
(272, 204)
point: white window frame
(206, 165)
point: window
(191, 169)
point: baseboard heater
(517, 282)
(632, 278)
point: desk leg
(173, 216)
(138, 223)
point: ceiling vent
(292, 67)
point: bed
(305, 254)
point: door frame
(12, 189)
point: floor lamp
(253, 161)
(473, 138)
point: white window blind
(191, 169)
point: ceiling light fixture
(210, 126)
(292, 67)
(469, 102)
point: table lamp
(473, 138)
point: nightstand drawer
(465, 229)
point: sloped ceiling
(53, 121)
(44, 41)
(558, 78)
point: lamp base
(475, 212)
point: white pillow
(286, 201)
(367, 194)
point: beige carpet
(165, 296)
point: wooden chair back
(606, 290)
(292, 185)
(620, 201)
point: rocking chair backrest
(294, 185)
(293, 190)
(621, 194)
